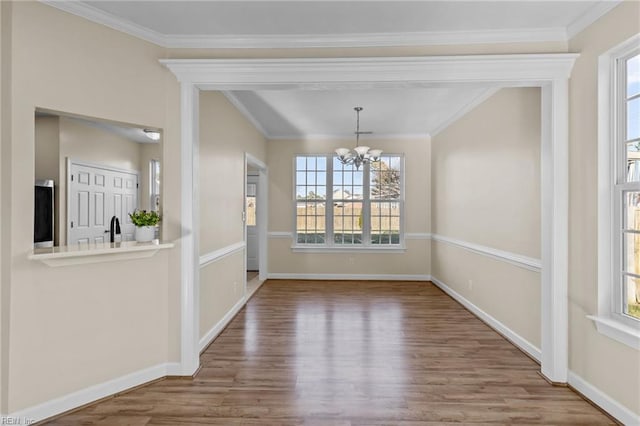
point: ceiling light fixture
(360, 154)
(154, 135)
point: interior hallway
(351, 353)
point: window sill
(97, 253)
(325, 249)
(616, 330)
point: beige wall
(486, 190)
(63, 322)
(280, 158)
(610, 366)
(225, 136)
(465, 49)
(221, 287)
(5, 225)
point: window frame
(610, 319)
(329, 245)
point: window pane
(631, 245)
(251, 210)
(633, 162)
(633, 76)
(633, 119)
(385, 223)
(310, 193)
(385, 178)
(347, 222)
(310, 222)
(632, 210)
(631, 297)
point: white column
(555, 231)
(190, 312)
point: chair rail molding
(548, 71)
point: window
(627, 186)
(339, 206)
(154, 185)
(619, 193)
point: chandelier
(360, 154)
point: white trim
(475, 102)
(608, 321)
(220, 325)
(604, 401)
(101, 17)
(510, 335)
(350, 277)
(231, 97)
(417, 236)
(273, 41)
(216, 255)
(521, 261)
(598, 10)
(280, 234)
(342, 73)
(93, 393)
(189, 209)
(79, 254)
(549, 71)
(617, 331)
(554, 240)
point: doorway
(255, 220)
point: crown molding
(263, 41)
(231, 97)
(590, 16)
(99, 16)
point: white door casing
(548, 71)
(251, 216)
(96, 193)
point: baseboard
(347, 277)
(602, 400)
(509, 334)
(94, 393)
(220, 325)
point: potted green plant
(145, 222)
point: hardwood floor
(347, 354)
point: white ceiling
(340, 23)
(329, 114)
(308, 23)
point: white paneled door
(95, 195)
(251, 209)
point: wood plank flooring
(351, 354)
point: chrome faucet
(114, 228)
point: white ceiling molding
(98, 16)
(366, 39)
(240, 41)
(465, 109)
(245, 112)
(591, 16)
